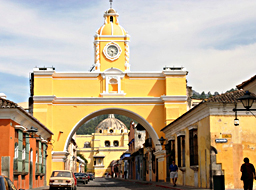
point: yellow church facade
(108, 143)
(63, 101)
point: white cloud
(214, 40)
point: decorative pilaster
(127, 56)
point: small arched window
(111, 130)
(111, 19)
(100, 131)
(107, 143)
(122, 130)
(116, 143)
(87, 145)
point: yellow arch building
(63, 101)
(108, 143)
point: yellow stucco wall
(97, 142)
(241, 143)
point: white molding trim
(192, 127)
(180, 133)
(76, 75)
(20, 127)
(111, 36)
(43, 72)
(174, 72)
(112, 94)
(171, 138)
(44, 98)
(160, 155)
(174, 98)
(108, 100)
(145, 74)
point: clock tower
(111, 44)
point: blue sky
(214, 40)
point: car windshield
(79, 174)
(61, 174)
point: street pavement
(125, 184)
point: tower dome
(111, 125)
(111, 25)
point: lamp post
(32, 131)
(247, 100)
(162, 140)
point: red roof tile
(240, 86)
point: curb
(167, 187)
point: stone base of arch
(161, 157)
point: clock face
(112, 50)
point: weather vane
(110, 1)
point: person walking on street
(248, 174)
(173, 173)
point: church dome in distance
(111, 123)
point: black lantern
(247, 100)
(32, 131)
(162, 140)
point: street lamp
(247, 100)
(32, 131)
(162, 140)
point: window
(24, 154)
(111, 131)
(113, 85)
(111, 19)
(122, 130)
(31, 155)
(16, 151)
(100, 131)
(139, 136)
(36, 157)
(181, 151)
(116, 143)
(107, 143)
(193, 147)
(87, 145)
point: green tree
(209, 94)
(202, 96)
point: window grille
(193, 147)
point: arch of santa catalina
(63, 101)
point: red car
(75, 180)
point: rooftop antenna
(111, 1)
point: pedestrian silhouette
(248, 174)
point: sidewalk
(42, 188)
(163, 184)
